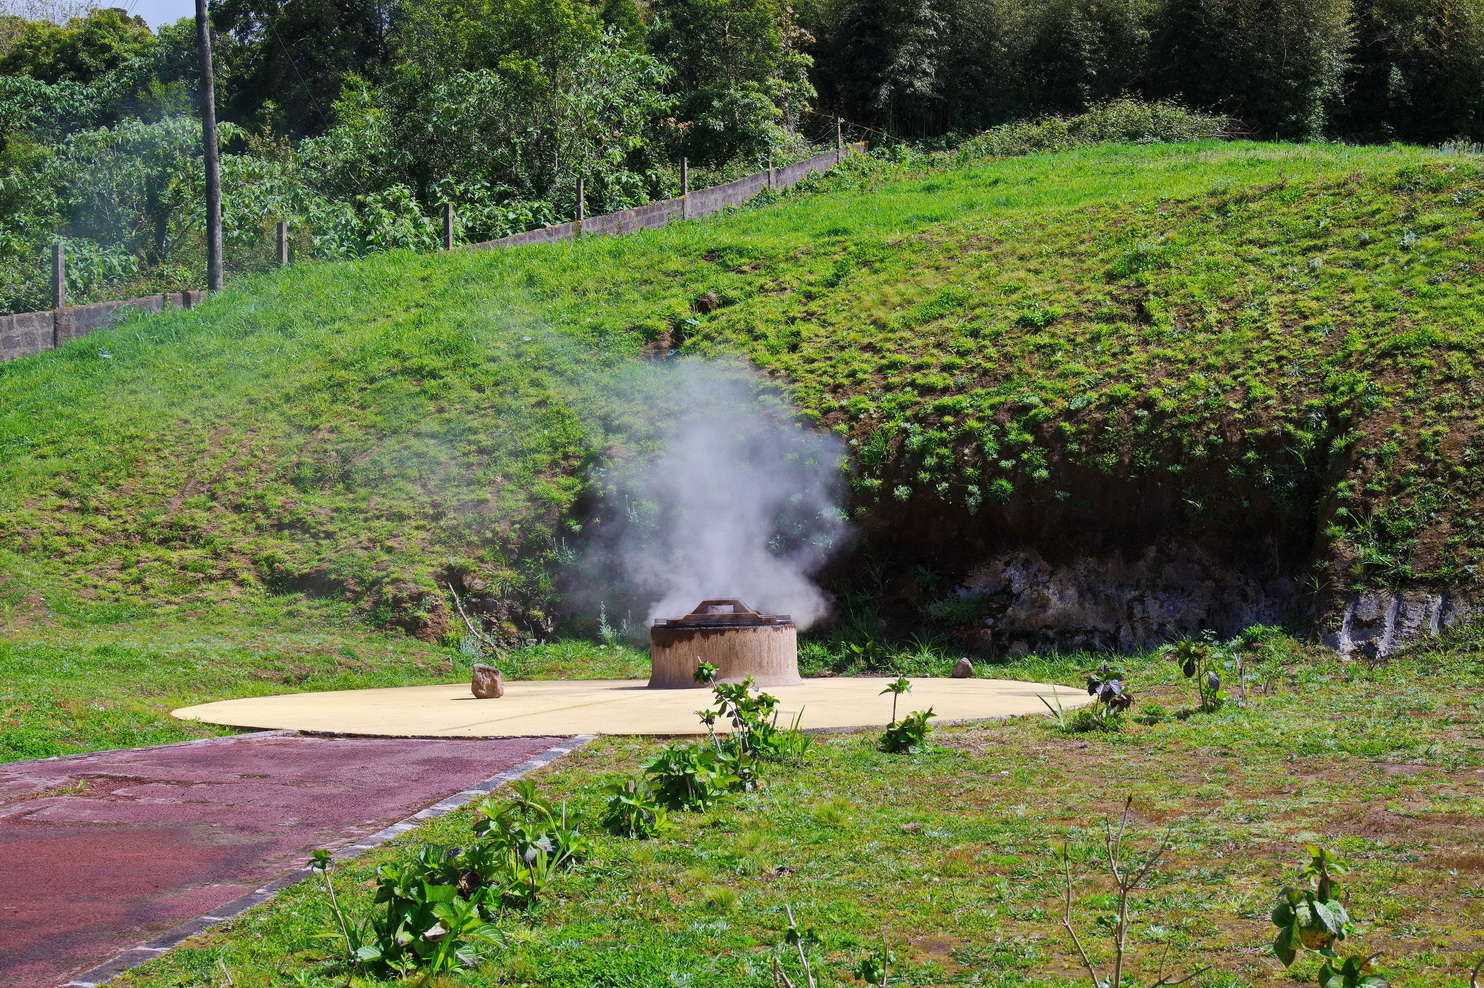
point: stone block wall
(701, 202)
(26, 333)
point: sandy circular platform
(559, 707)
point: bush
(908, 735)
(1123, 121)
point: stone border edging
(151, 949)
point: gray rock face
(488, 683)
(1171, 592)
(1119, 604)
(1375, 623)
(963, 669)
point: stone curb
(154, 948)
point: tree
(15, 15)
(137, 186)
(1417, 71)
(283, 62)
(85, 50)
(885, 62)
(1081, 52)
(740, 73)
(1277, 65)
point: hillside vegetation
(356, 123)
(1267, 351)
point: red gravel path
(101, 852)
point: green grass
(950, 858)
(1262, 338)
(1282, 338)
(98, 676)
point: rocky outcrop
(1375, 623)
(1120, 604)
(1169, 593)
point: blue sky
(156, 12)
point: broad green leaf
(1283, 947)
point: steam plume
(737, 501)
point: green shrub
(634, 812)
(1122, 121)
(908, 735)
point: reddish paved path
(101, 852)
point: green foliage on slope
(1287, 332)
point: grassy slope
(1270, 333)
(342, 426)
(1286, 321)
(950, 858)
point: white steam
(738, 501)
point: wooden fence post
(448, 226)
(59, 276)
(685, 188)
(581, 205)
(771, 181)
(839, 141)
(283, 244)
(59, 291)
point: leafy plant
(896, 689)
(441, 901)
(1112, 700)
(695, 777)
(1200, 661)
(634, 812)
(750, 714)
(800, 940)
(322, 861)
(428, 925)
(753, 716)
(1313, 919)
(874, 967)
(529, 841)
(909, 735)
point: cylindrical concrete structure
(731, 636)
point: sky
(156, 12)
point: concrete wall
(26, 333)
(701, 202)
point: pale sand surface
(560, 707)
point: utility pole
(209, 147)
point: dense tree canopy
(356, 121)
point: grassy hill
(1258, 359)
(1266, 353)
